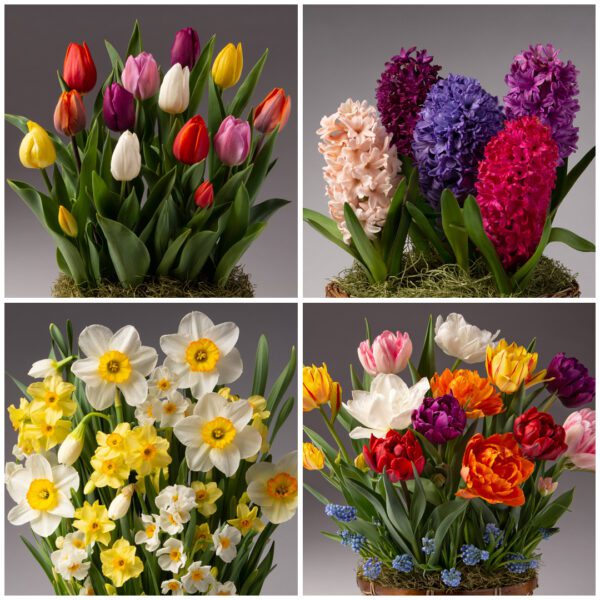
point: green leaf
(129, 213)
(418, 502)
(115, 59)
(572, 177)
(428, 231)
(263, 211)
(135, 41)
(558, 234)
(244, 92)
(426, 366)
(43, 560)
(452, 511)
(282, 415)
(454, 228)
(282, 382)
(194, 255)
(322, 499)
(328, 229)
(261, 165)
(392, 222)
(107, 203)
(237, 222)
(229, 190)
(193, 176)
(168, 260)
(199, 76)
(89, 159)
(261, 367)
(156, 195)
(552, 512)
(396, 254)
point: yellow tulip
(318, 388)
(36, 150)
(312, 457)
(67, 222)
(510, 366)
(227, 68)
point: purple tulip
(118, 108)
(570, 381)
(186, 48)
(140, 76)
(439, 419)
(232, 141)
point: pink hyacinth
(514, 188)
(580, 428)
(389, 353)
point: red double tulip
(79, 70)
(539, 436)
(204, 195)
(274, 110)
(395, 454)
(69, 114)
(191, 143)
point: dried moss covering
(238, 286)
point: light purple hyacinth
(542, 85)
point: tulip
(204, 195)
(360, 463)
(232, 141)
(191, 143)
(227, 68)
(186, 48)
(318, 388)
(79, 70)
(36, 150)
(174, 95)
(389, 353)
(69, 114)
(67, 222)
(546, 486)
(312, 458)
(118, 108)
(140, 76)
(580, 429)
(72, 446)
(510, 366)
(273, 111)
(126, 161)
(120, 505)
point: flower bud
(191, 143)
(69, 114)
(79, 70)
(174, 95)
(72, 446)
(360, 463)
(227, 68)
(120, 505)
(118, 108)
(140, 76)
(36, 150)
(186, 48)
(312, 457)
(546, 486)
(90, 486)
(274, 110)
(126, 161)
(232, 141)
(67, 222)
(204, 195)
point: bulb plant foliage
(140, 479)
(450, 481)
(146, 186)
(447, 171)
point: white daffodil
(144, 413)
(70, 562)
(197, 579)
(202, 354)
(225, 540)
(42, 493)
(18, 453)
(459, 339)
(41, 369)
(388, 404)
(170, 410)
(223, 589)
(75, 540)
(87, 588)
(162, 382)
(217, 434)
(170, 523)
(177, 499)
(173, 586)
(149, 535)
(274, 487)
(114, 361)
(171, 556)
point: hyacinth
(361, 166)
(570, 381)
(543, 86)
(451, 577)
(428, 545)
(372, 568)
(471, 555)
(439, 419)
(493, 532)
(401, 91)
(514, 188)
(457, 120)
(520, 564)
(352, 540)
(403, 563)
(341, 512)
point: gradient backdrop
(27, 340)
(32, 90)
(345, 61)
(568, 559)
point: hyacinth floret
(352, 540)
(471, 555)
(341, 512)
(372, 568)
(403, 563)
(451, 577)
(428, 545)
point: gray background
(568, 559)
(345, 60)
(28, 339)
(32, 90)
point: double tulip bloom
(227, 68)
(186, 48)
(36, 150)
(273, 111)
(69, 114)
(389, 353)
(79, 70)
(192, 143)
(232, 141)
(140, 76)
(174, 95)
(118, 108)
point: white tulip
(126, 161)
(174, 95)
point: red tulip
(79, 70)
(69, 114)
(539, 436)
(395, 454)
(204, 195)
(274, 110)
(191, 143)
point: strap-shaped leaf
(228, 191)
(282, 382)
(454, 228)
(261, 165)
(572, 176)
(571, 239)
(89, 159)
(261, 367)
(135, 41)
(107, 203)
(396, 255)
(192, 177)
(525, 271)
(428, 231)
(237, 222)
(263, 211)
(328, 229)
(194, 255)
(115, 59)
(242, 96)
(426, 366)
(199, 76)
(129, 213)
(157, 194)
(168, 260)
(392, 221)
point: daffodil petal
(227, 459)
(187, 431)
(202, 383)
(135, 389)
(174, 346)
(101, 396)
(224, 335)
(21, 513)
(230, 367)
(194, 325)
(248, 441)
(198, 458)
(144, 360)
(45, 524)
(87, 370)
(94, 340)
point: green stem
(546, 405)
(456, 364)
(47, 180)
(334, 434)
(405, 492)
(123, 190)
(119, 408)
(76, 154)
(220, 100)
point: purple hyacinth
(542, 85)
(401, 91)
(457, 120)
(570, 381)
(439, 419)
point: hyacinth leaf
(392, 222)
(194, 255)
(261, 367)
(425, 227)
(525, 271)
(135, 41)
(263, 211)
(426, 366)
(568, 181)
(454, 228)
(474, 225)
(168, 260)
(329, 229)
(261, 164)
(559, 234)
(396, 254)
(370, 255)
(244, 92)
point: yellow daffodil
(109, 470)
(312, 458)
(207, 495)
(318, 388)
(227, 68)
(202, 536)
(53, 395)
(119, 563)
(259, 407)
(247, 519)
(147, 451)
(93, 520)
(264, 436)
(25, 444)
(226, 393)
(114, 442)
(46, 430)
(36, 150)
(19, 415)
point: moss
(238, 286)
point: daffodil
(109, 470)
(87, 588)
(146, 450)
(173, 586)
(247, 519)
(74, 540)
(119, 563)
(53, 395)
(149, 535)
(45, 430)
(144, 413)
(162, 382)
(171, 557)
(207, 495)
(114, 442)
(225, 541)
(93, 520)
(41, 369)
(224, 589)
(198, 578)
(177, 500)
(18, 416)
(114, 362)
(170, 410)
(202, 536)
(170, 522)
(122, 501)
(70, 563)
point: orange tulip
(79, 70)
(274, 110)
(69, 114)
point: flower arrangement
(446, 178)
(449, 483)
(143, 479)
(174, 196)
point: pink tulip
(232, 141)
(140, 76)
(389, 353)
(546, 486)
(580, 428)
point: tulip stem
(334, 434)
(47, 180)
(405, 492)
(76, 154)
(456, 364)
(220, 100)
(123, 189)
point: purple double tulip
(186, 48)
(439, 419)
(232, 141)
(140, 76)
(118, 108)
(570, 381)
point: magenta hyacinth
(439, 419)
(543, 86)
(570, 381)
(514, 187)
(401, 91)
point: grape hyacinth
(542, 85)
(451, 577)
(352, 540)
(401, 91)
(403, 563)
(547, 532)
(428, 546)
(457, 120)
(570, 381)
(341, 512)
(371, 568)
(493, 532)
(521, 565)
(471, 555)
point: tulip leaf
(425, 227)
(166, 226)
(105, 159)
(156, 195)
(199, 76)
(88, 161)
(237, 222)
(194, 255)
(263, 211)
(107, 203)
(192, 177)
(245, 90)
(261, 164)
(558, 234)
(135, 41)
(129, 213)
(59, 189)
(261, 367)
(128, 253)
(551, 513)
(168, 260)
(214, 111)
(453, 224)
(229, 189)
(426, 366)
(392, 222)
(115, 60)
